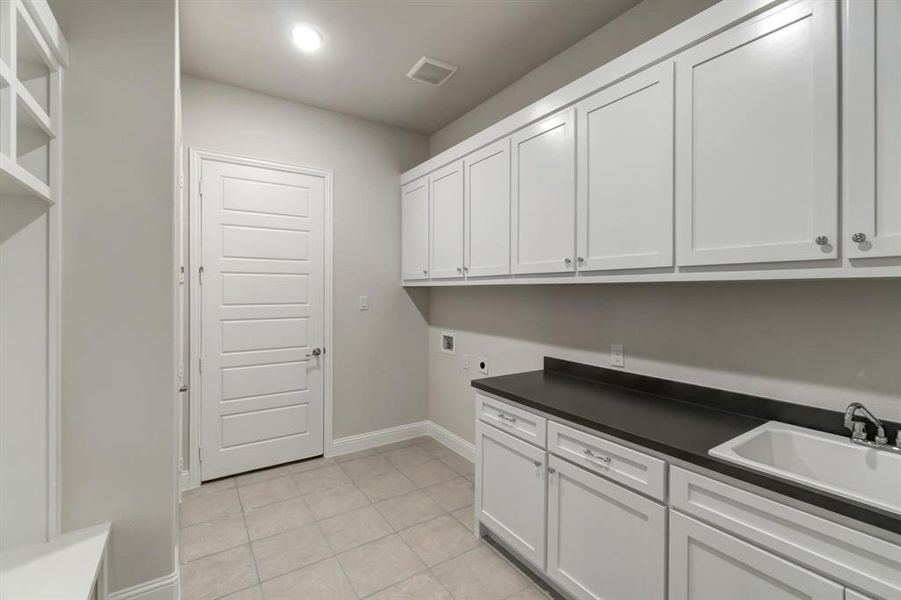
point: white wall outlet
(483, 365)
(617, 356)
(364, 302)
(464, 360)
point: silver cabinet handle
(537, 463)
(504, 418)
(459, 269)
(567, 261)
(580, 260)
(466, 269)
(314, 352)
(551, 470)
(425, 272)
(601, 461)
(821, 240)
(859, 238)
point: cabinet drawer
(847, 555)
(632, 469)
(515, 421)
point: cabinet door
(487, 193)
(756, 140)
(446, 191)
(415, 230)
(705, 561)
(626, 174)
(510, 491)
(872, 128)
(604, 542)
(544, 196)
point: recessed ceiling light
(306, 38)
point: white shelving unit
(33, 54)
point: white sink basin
(820, 460)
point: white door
(604, 541)
(872, 128)
(756, 141)
(487, 195)
(262, 299)
(415, 230)
(543, 222)
(626, 174)
(510, 491)
(706, 562)
(446, 192)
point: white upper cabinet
(487, 201)
(415, 230)
(625, 193)
(756, 140)
(446, 187)
(544, 196)
(872, 128)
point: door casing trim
(196, 156)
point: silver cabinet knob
(425, 272)
(466, 269)
(537, 463)
(580, 260)
(551, 470)
(459, 269)
(567, 261)
(859, 238)
(821, 240)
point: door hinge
(200, 453)
(181, 181)
(200, 365)
(200, 275)
(200, 188)
(181, 275)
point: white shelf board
(15, 180)
(64, 568)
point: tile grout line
(253, 556)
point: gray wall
(818, 343)
(631, 29)
(380, 363)
(118, 372)
(821, 343)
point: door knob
(822, 240)
(859, 238)
(314, 352)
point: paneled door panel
(544, 196)
(705, 561)
(625, 194)
(756, 140)
(446, 192)
(872, 128)
(604, 541)
(510, 491)
(487, 194)
(415, 225)
(262, 300)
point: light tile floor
(391, 523)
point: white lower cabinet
(604, 541)
(511, 497)
(708, 564)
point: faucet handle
(880, 436)
(859, 432)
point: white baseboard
(162, 588)
(453, 441)
(365, 441)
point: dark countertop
(685, 423)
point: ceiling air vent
(431, 71)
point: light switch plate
(364, 302)
(617, 356)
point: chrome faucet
(858, 428)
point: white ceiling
(371, 44)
